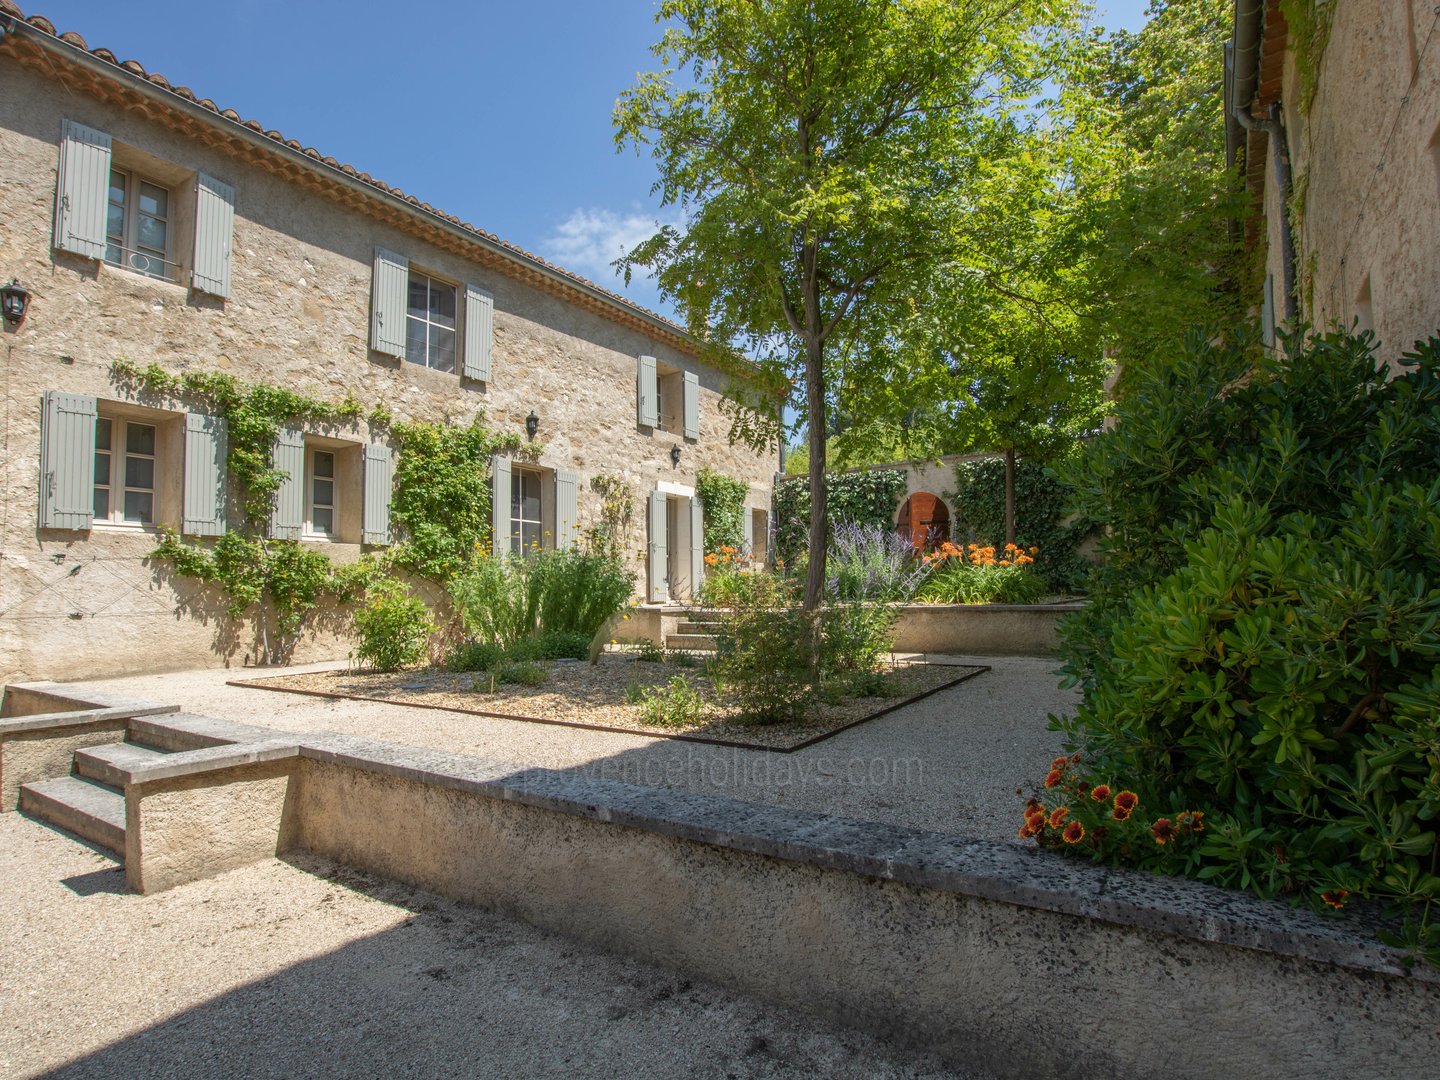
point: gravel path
(949, 763)
(310, 970)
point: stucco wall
(75, 605)
(1367, 160)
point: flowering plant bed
(611, 696)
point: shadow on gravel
(453, 991)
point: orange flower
(1127, 801)
(1031, 805)
(1060, 762)
(1053, 778)
(1120, 813)
(1192, 821)
(1163, 831)
(1076, 757)
(1029, 829)
(711, 559)
(1336, 898)
(1058, 816)
(1074, 833)
(1101, 792)
(1034, 551)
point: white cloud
(589, 240)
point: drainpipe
(1280, 154)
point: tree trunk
(1010, 496)
(815, 406)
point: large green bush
(504, 601)
(1263, 643)
(393, 627)
(1042, 517)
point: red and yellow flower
(1074, 833)
(1164, 831)
(1336, 898)
(1100, 792)
(1058, 816)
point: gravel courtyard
(950, 763)
(312, 970)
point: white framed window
(320, 493)
(124, 472)
(430, 322)
(525, 511)
(138, 226)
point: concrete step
(690, 642)
(690, 626)
(177, 732)
(106, 763)
(92, 811)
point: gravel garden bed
(578, 694)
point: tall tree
(826, 153)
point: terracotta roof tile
(134, 67)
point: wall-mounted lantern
(532, 425)
(14, 302)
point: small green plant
(394, 628)
(634, 692)
(759, 657)
(676, 704)
(647, 652)
(521, 673)
(474, 656)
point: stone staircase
(89, 802)
(696, 633)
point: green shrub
(474, 656)
(521, 673)
(676, 704)
(554, 591)
(854, 636)
(550, 645)
(393, 626)
(759, 650)
(1262, 644)
(724, 501)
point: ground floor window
(124, 472)
(320, 492)
(525, 528)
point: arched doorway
(924, 518)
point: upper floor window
(124, 472)
(137, 226)
(430, 323)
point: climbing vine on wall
(866, 498)
(724, 501)
(440, 503)
(611, 531)
(440, 507)
(1041, 517)
(1309, 32)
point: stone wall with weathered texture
(77, 604)
(1367, 175)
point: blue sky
(498, 113)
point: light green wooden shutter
(288, 516)
(647, 394)
(692, 405)
(389, 285)
(206, 447)
(82, 187)
(500, 507)
(214, 230)
(479, 332)
(747, 522)
(379, 479)
(567, 512)
(697, 545)
(67, 461)
(658, 551)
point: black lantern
(532, 424)
(675, 455)
(14, 300)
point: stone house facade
(1336, 126)
(147, 224)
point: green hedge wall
(867, 498)
(1041, 501)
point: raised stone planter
(982, 629)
